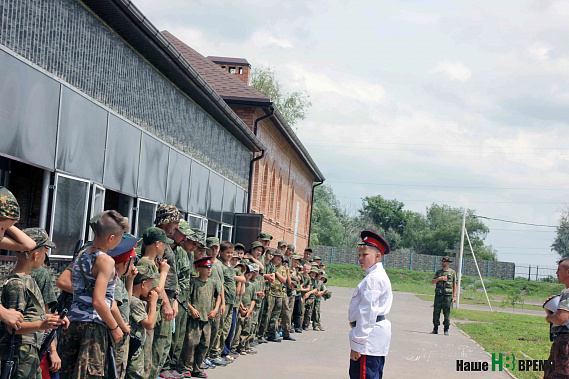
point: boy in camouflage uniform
(445, 292)
(43, 277)
(246, 307)
(309, 298)
(142, 317)
(217, 274)
(155, 242)
(274, 304)
(296, 277)
(22, 293)
(167, 219)
(204, 304)
(84, 347)
(320, 290)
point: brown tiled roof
(226, 85)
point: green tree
(388, 214)
(561, 243)
(293, 106)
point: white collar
(376, 266)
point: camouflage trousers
(147, 350)
(135, 367)
(121, 355)
(26, 361)
(214, 333)
(196, 344)
(254, 322)
(223, 333)
(316, 314)
(442, 302)
(262, 327)
(83, 350)
(178, 337)
(560, 355)
(243, 335)
(307, 308)
(274, 308)
(286, 314)
(161, 345)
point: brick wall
(280, 180)
(418, 262)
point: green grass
(420, 282)
(507, 333)
(495, 303)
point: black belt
(377, 319)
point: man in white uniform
(371, 332)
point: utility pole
(460, 258)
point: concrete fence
(418, 262)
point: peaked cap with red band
(370, 238)
(125, 249)
(203, 262)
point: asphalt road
(414, 353)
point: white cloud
(453, 70)
(263, 38)
(418, 18)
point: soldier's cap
(296, 256)
(199, 235)
(239, 246)
(125, 249)
(211, 241)
(40, 237)
(314, 264)
(166, 214)
(314, 269)
(235, 255)
(265, 236)
(282, 243)
(316, 258)
(324, 277)
(153, 235)
(9, 207)
(185, 229)
(320, 272)
(203, 262)
(276, 253)
(446, 259)
(370, 238)
(290, 247)
(246, 261)
(144, 273)
(270, 251)
(254, 267)
(256, 244)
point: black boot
(435, 330)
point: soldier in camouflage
(445, 292)
(22, 293)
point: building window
(146, 212)
(232, 70)
(240, 70)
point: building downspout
(252, 163)
(312, 208)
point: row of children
(182, 304)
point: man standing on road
(559, 331)
(371, 332)
(445, 292)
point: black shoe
(435, 331)
(297, 330)
(289, 338)
(274, 339)
(199, 375)
(446, 332)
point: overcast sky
(462, 103)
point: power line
(447, 186)
(469, 202)
(516, 222)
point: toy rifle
(48, 339)
(181, 303)
(9, 365)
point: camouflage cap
(265, 236)
(276, 253)
(282, 243)
(296, 256)
(314, 269)
(236, 255)
(270, 251)
(184, 228)
(166, 214)
(145, 273)
(211, 241)
(254, 267)
(446, 259)
(314, 264)
(9, 207)
(199, 236)
(290, 247)
(246, 261)
(316, 258)
(239, 246)
(40, 237)
(256, 244)
(154, 234)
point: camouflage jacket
(442, 287)
(44, 280)
(203, 296)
